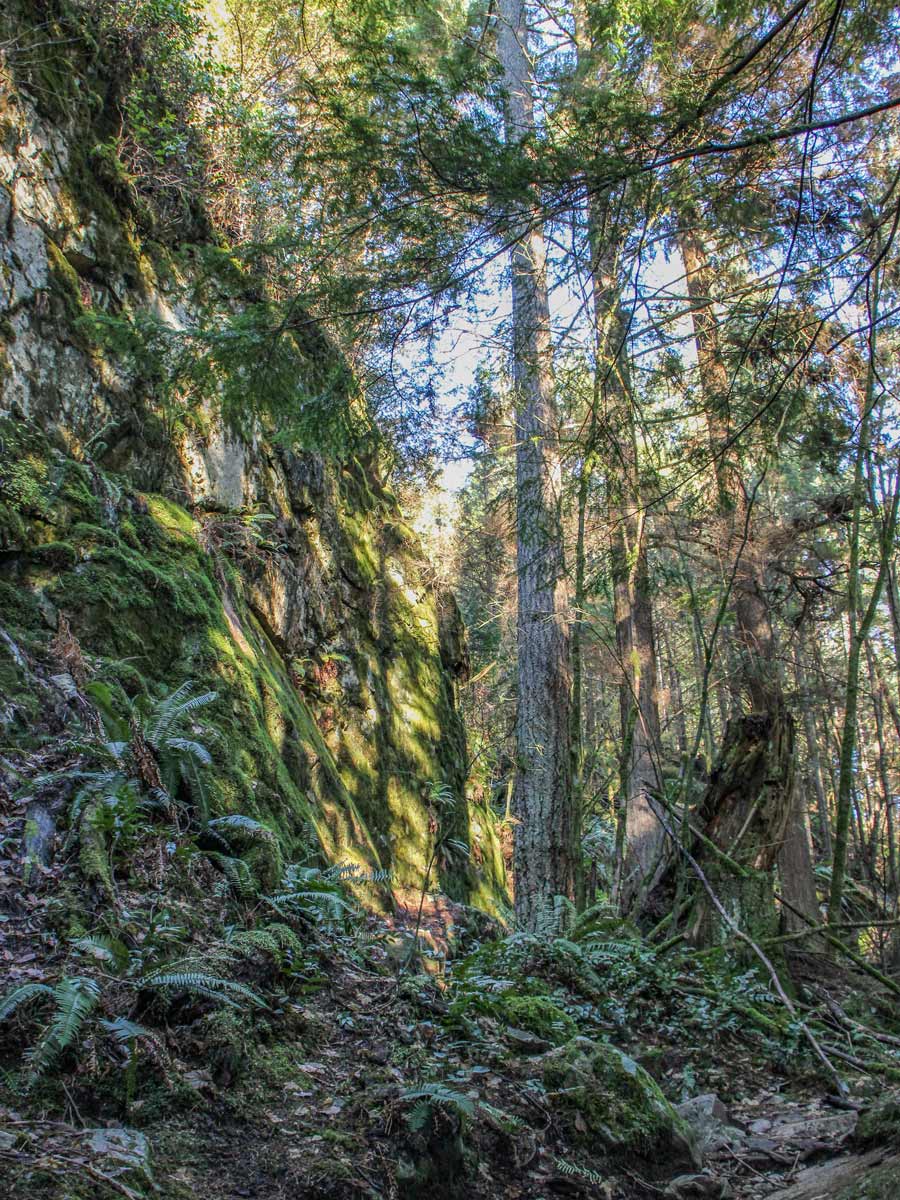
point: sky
(472, 339)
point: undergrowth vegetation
(124, 963)
(187, 912)
(185, 962)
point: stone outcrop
(179, 537)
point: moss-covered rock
(538, 1015)
(533, 964)
(187, 526)
(879, 1125)
(878, 1183)
(605, 1097)
(151, 604)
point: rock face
(175, 538)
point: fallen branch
(763, 958)
(859, 961)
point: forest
(449, 599)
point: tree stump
(741, 824)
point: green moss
(878, 1183)
(338, 1138)
(92, 855)
(532, 963)
(539, 1016)
(59, 555)
(528, 983)
(153, 609)
(64, 285)
(605, 1095)
(19, 703)
(170, 517)
(880, 1124)
(19, 607)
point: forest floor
(323, 1106)
(333, 1132)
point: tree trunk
(644, 835)
(677, 716)
(577, 654)
(745, 813)
(759, 677)
(814, 762)
(544, 850)
(638, 689)
(881, 699)
(796, 864)
(795, 870)
(859, 622)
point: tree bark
(795, 870)
(759, 677)
(881, 699)
(577, 657)
(859, 622)
(745, 813)
(814, 762)
(677, 715)
(635, 640)
(544, 848)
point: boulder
(879, 1125)
(611, 1103)
(709, 1119)
(701, 1187)
(701, 1109)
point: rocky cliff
(153, 531)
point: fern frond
(314, 905)
(295, 874)
(21, 995)
(92, 854)
(457, 847)
(215, 957)
(310, 893)
(106, 949)
(172, 710)
(223, 991)
(161, 716)
(275, 939)
(237, 874)
(102, 785)
(75, 998)
(439, 1093)
(191, 748)
(576, 1170)
(194, 779)
(124, 1031)
(247, 827)
(419, 1116)
(507, 1121)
